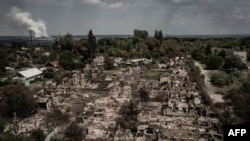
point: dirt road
(211, 90)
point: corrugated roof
(30, 72)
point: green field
(153, 74)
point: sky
(105, 17)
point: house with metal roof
(29, 75)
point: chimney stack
(30, 38)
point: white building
(29, 75)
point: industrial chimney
(30, 38)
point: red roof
(53, 64)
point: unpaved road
(211, 90)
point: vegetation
(214, 62)
(143, 94)
(129, 114)
(37, 135)
(16, 99)
(74, 133)
(196, 76)
(72, 54)
(220, 79)
(2, 124)
(108, 62)
(66, 60)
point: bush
(197, 55)
(214, 62)
(2, 124)
(37, 135)
(220, 79)
(17, 99)
(49, 75)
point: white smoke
(21, 19)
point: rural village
(93, 101)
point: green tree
(109, 62)
(91, 45)
(18, 99)
(66, 60)
(220, 79)
(214, 62)
(222, 53)
(152, 43)
(143, 94)
(52, 56)
(75, 133)
(80, 49)
(158, 35)
(2, 124)
(37, 135)
(208, 49)
(141, 33)
(232, 62)
(3, 61)
(197, 55)
(248, 55)
(67, 42)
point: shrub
(220, 79)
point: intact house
(29, 75)
(53, 65)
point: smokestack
(30, 38)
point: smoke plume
(22, 20)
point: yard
(153, 74)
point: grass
(153, 74)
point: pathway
(211, 89)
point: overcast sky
(173, 17)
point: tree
(3, 61)
(222, 53)
(75, 133)
(214, 62)
(91, 45)
(66, 60)
(18, 99)
(248, 55)
(152, 43)
(67, 42)
(158, 35)
(37, 135)
(109, 62)
(2, 124)
(124, 54)
(232, 62)
(197, 55)
(80, 49)
(208, 49)
(8, 136)
(141, 33)
(240, 102)
(53, 56)
(143, 94)
(129, 114)
(220, 79)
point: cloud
(179, 1)
(116, 5)
(93, 2)
(177, 20)
(106, 4)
